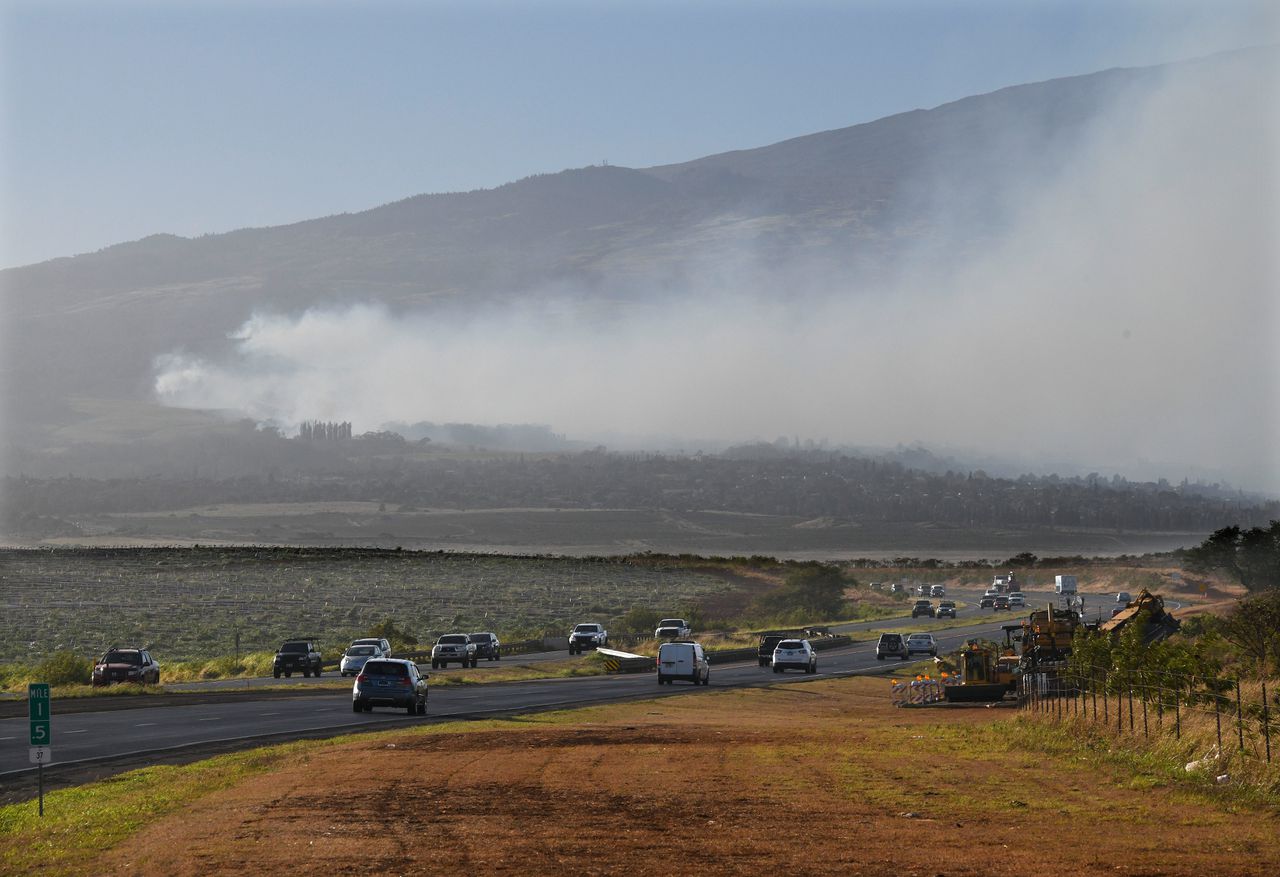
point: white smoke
(1128, 320)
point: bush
(65, 668)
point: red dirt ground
(819, 778)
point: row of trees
(841, 488)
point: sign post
(41, 733)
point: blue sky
(127, 119)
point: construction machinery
(987, 672)
(1159, 623)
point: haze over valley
(1075, 276)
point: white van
(683, 660)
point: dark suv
(487, 646)
(126, 665)
(891, 645)
(922, 607)
(297, 655)
(390, 682)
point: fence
(1153, 703)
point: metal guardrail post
(1130, 681)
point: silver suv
(455, 647)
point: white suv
(795, 654)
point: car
(383, 644)
(683, 660)
(453, 647)
(297, 655)
(877, 586)
(354, 658)
(1001, 602)
(1123, 598)
(126, 665)
(795, 654)
(937, 591)
(588, 635)
(1016, 601)
(390, 682)
(946, 608)
(922, 607)
(488, 646)
(769, 642)
(891, 645)
(895, 588)
(922, 590)
(672, 628)
(987, 601)
(922, 644)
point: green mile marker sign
(38, 710)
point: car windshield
(947, 604)
(586, 628)
(122, 658)
(294, 647)
(479, 637)
(385, 668)
(357, 651)
(453, 639)
(671, 622)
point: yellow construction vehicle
(987, 671)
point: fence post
(1217, 717)
(1130, 680)
(1239, 716)
(1266, 720)
(1146, 732)
(1177, 714)
(1106, 702)
(1093, 691)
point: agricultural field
(582, 532)
(191, 603)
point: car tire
(422, 708)
(368, 707)
(318, 671)
(288, 674)
(777, 669)
(355, 707)
(660, 679)
(435, 665)
(879, 657)
(412, 708)
(306, 672)
(275, 673)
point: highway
(112, 734)
(153, 731)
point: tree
(815, 592)
(1251, 557)
(1254, 627)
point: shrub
(65, 668)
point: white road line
(7, 738)
(77, 731)
(211, 719)
(145, 724)
(268, 714)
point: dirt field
(822, 778)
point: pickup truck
(672, 628)
(297, 654)
(587, 635)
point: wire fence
(1236, 714)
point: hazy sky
(127, 119)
